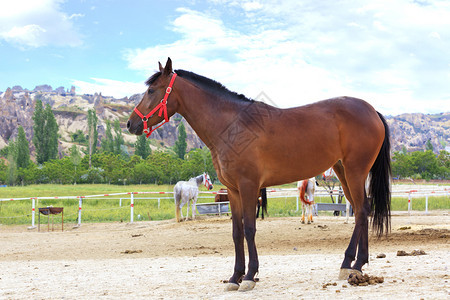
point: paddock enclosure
(170, 260)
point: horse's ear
(168, 67)
(160, 67)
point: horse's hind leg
(183, 201)
(350, 253)
(309, 212)
(352, 181)
(303, 212)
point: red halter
(162, 106)
(207, 183)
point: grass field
(147, 206)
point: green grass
(108, 209)
(101, 209)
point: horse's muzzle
(134, 128)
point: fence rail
(272, 193)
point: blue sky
(394, 54)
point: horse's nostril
(128, 125)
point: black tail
(380, 186)
(263, 193)
(264, 201)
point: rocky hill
(413, 131)
(17, 106)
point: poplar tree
(38, 132)
(118, 138)
(181, 145)
(92, 134)
(107, 141)
(142, 147)
(51, 133)
(22, 149)
(45, 130)
(75, 157)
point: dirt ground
(165, 259)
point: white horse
(307, 187)
(184, 191)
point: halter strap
(206, 181)
(162, 106)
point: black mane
(152, 78)
(211, 85)
(204, 83)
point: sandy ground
(191, 259)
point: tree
(22, 149)
(425, 163)
(429, 146)
(181, 145)
(107, 141)
(198, 161)
(45, 129)
(142, 147)
(92, 133)
(12, 170)
(39, 131)
(76, 159)
(420, 164)
(3, 171)
(118, 138)
(51, 133)
(78, 137)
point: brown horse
(255, 145)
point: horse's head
(155, 105)
(207, 181)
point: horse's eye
(151, 91)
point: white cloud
(250, 6)
(108, 87)
(37, 23)
(28, 35)
(392, 54)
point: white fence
(410, 194)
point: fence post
(297, 202)
(426, 204)
(132, 208)
(33, 213)
(409, 203)
(80, 203)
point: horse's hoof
(345, 273)
(231, 287)
(247, 285)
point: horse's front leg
(194, 202)
(187, 209)
(238, 239)
(248, 194)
